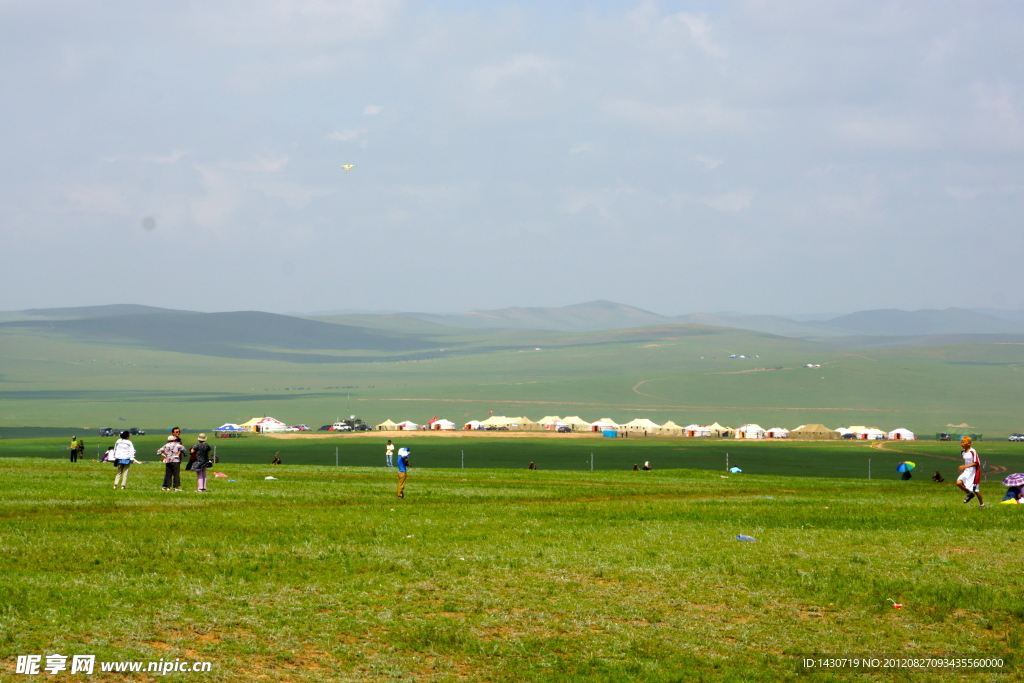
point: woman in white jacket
(124, 456)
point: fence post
(463, 458)
(726, 462)
(591, 462)
(869, 468)
(335, 456)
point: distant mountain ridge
(606, 315)
(240, 334)
(602, 315)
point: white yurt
(446, 425)
(641, 424)
(473, 424)
(696, 430)
(407, 425)
(602, 425)
(871, 434)
(751, 431)
(777, 433)
(670, 428)
(577, 423)
(901, 434)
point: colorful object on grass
(895, 605)
(905, 466)
(219, 474)
(1012, 501)
(735, 470)
(348, 167)
(744, 537)
(1014, 480)
(270, 478)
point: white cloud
(584, 148)
(526, 67)
(729, 202)
(99, 198)
(708, 115)
(221, 199)
(294, 195)
(708, 162)
(372, 109)
(258, 164)
(172, 158)
(347, 135)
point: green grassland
(551, 452)
(678, 372)
(498, 575)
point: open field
(489, 574)
(568, 452)
(680, 373)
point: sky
(761, 157)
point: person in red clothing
(970, 472)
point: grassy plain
(659, 373)
(490, 574)
(553, 452)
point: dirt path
(636, 387)
(884, 446)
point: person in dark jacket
(201, 460)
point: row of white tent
(643, 425)
(639, 425)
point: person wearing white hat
(201, 453)
(170, 455)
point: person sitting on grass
(937, 477)
(636, 468)
(1014, 493)
(532, 466)
(276, 460)
(647, 466)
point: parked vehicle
(851, 435)
(564, 429)
(135, 431)
(1016, 437)
(325, 428)
(302, 428)
(352, 424)
(945, 437)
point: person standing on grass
(389, 451)
(73, 449)
(970, 472)
(403, 468)
(81, 450)
(170, 455)
(124, 456)
(200, 461)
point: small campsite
(486, 574)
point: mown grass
(552, 452)
(490, 574)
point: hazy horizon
(785, 158)
(1008, 314)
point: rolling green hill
(205, 369)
